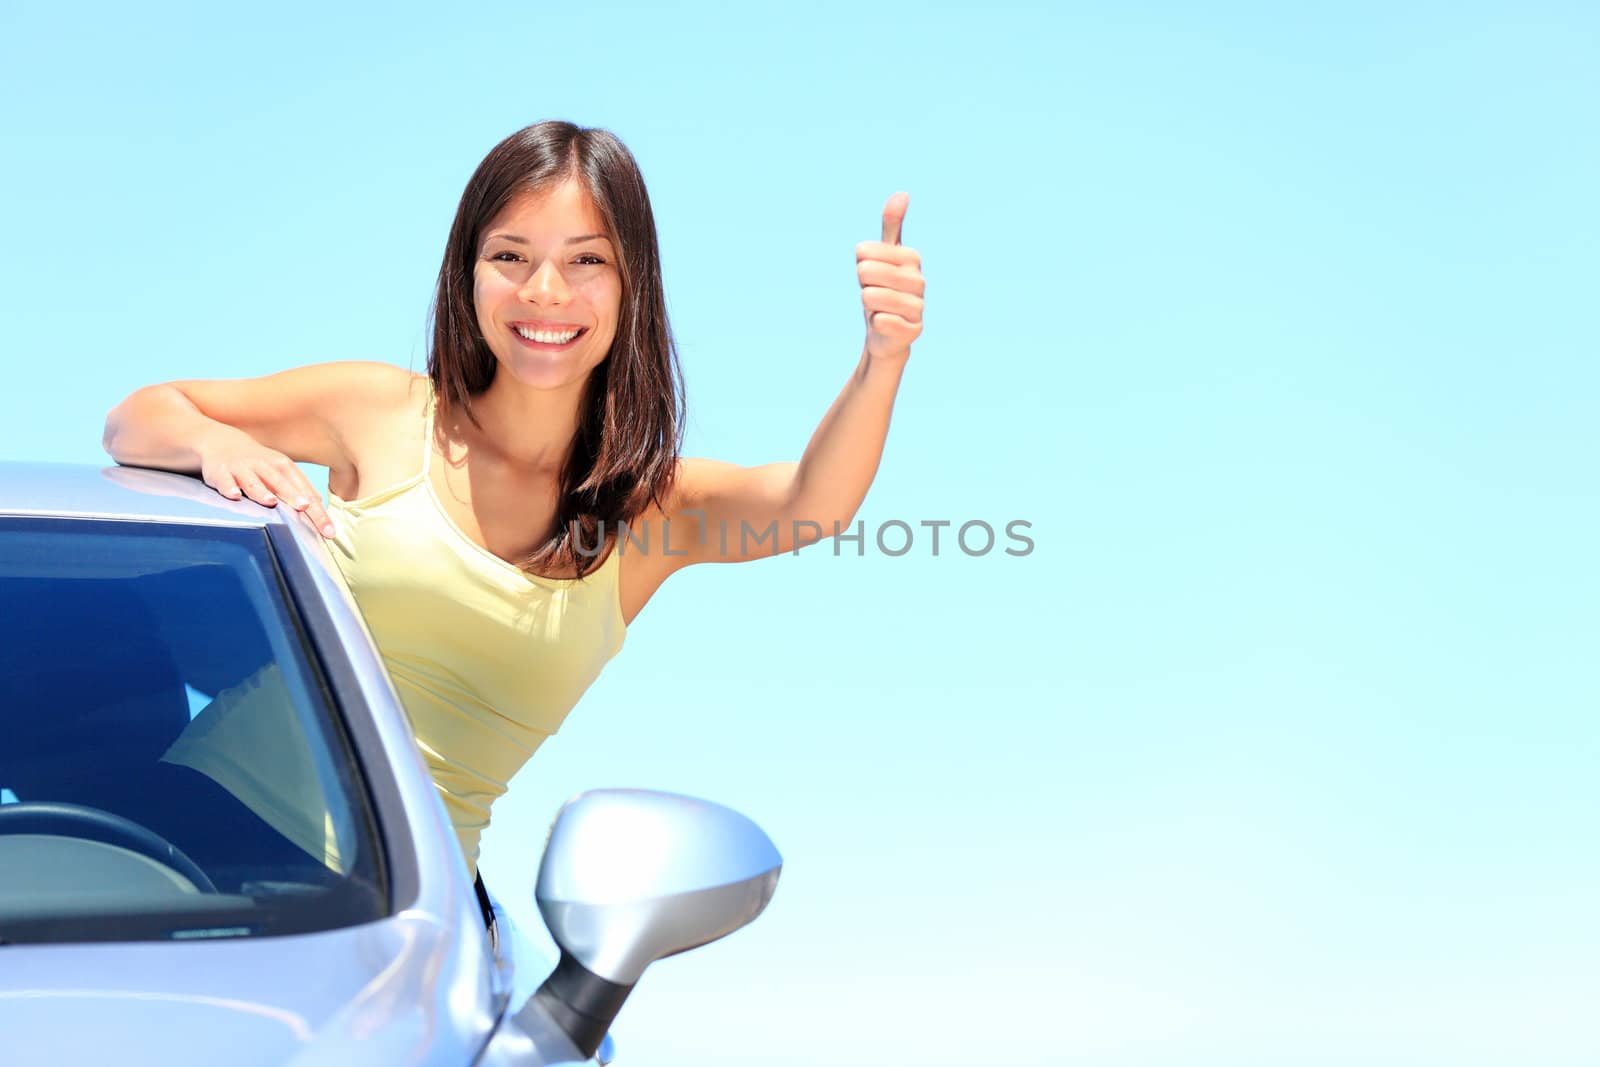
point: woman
(502, 519)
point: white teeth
(546, 337)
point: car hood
(400, 991)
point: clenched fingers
(906, 279)
(907, 306)
(887, 253)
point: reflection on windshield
(170, 764)
(247, 740)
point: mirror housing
(631, 876)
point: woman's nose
(545, 285)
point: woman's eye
(588, 260)
(504, 257)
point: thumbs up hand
(891, 287)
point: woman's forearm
(842, 456)
(158, 426)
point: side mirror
(631, 876)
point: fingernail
(328, 529)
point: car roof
(85, 490)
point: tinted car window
(171, 763)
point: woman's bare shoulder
(381, 426)
(380, 394)
(386, 386)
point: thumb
(894, 217)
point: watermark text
(690, 534)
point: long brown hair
(630, 422)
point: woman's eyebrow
(523, 240)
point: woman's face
(544, 270)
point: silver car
(219, 844)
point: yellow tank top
(487, 659)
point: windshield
(171, 763)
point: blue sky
(1278, 329)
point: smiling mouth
(551, 338)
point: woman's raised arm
(727, 511)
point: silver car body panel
(414, 988)
(403, 990)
